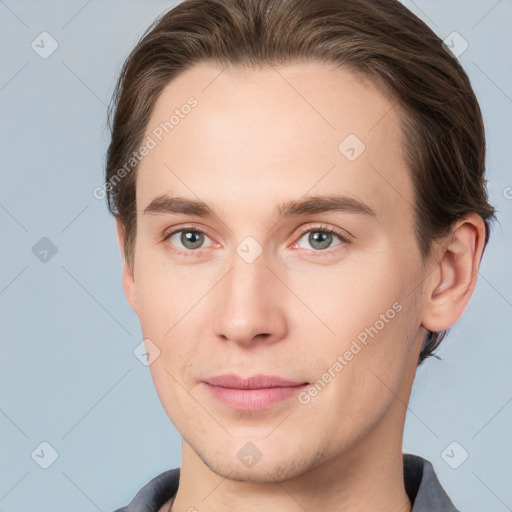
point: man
(300, 201)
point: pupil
(320, 240)
(191, 239)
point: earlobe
(453, 281)
(128, 278)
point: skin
(257, 139)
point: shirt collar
(423, 486)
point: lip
(259, 381)
(254, 393)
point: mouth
(259, 381)
(254, 393)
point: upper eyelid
(335, 231)
(191, 227)
(188, 227)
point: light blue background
(68, 374)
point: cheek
(168, 320)
(368, 320)
(171, 301)
(165, 293)
(350, 296)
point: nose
(250, 304)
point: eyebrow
(166, 204)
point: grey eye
(319, 239)
(188, 239)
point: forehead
(274, 134)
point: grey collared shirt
(421, 484)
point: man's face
(264, 293)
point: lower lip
(253, 399)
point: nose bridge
(249, 302)
(251, 281)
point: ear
(454, 278)
(128, 277)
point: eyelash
(321, 229)
(184, 252)
(312, 253)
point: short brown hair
(443, 130)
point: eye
(188, 239)
(321, 238)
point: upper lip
(254, 382)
